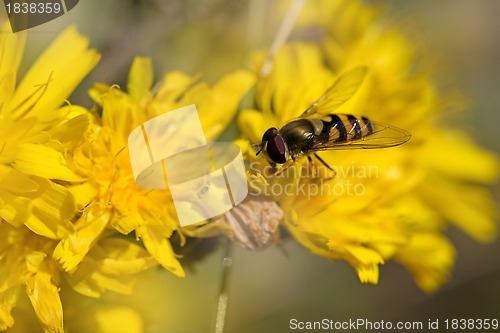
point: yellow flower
(381, 204)
(103, 160)
(35, 212)
(66, 186)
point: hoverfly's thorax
(298, 134)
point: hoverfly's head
(273, 147)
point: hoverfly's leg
(270, 170)
(323, 162)
(311, 166)
(285, 167)
(327, 166)
(273, 168)
(278, 173)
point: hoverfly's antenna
(257, 146)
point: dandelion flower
(35, 209)
(66, 185)
(103, 160)
(388, 204)
(106, 163)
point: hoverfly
(319, 128)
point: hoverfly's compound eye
(269, 134)
(275, 146)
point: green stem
(227, 262)
(283, 34)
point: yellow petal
(62, 114)
(11, 50)
(387, 52)
(368, 273)
(42, 161)
(8, 300)
(455, 155)
(98, 90)
(14, 210)
(7, 86)
(55, 74)
(417, 214)
(83, 193)
(89, 280)
(52, 208)
(126, 224)
(120, 114)
(372, 228)
(110, 265)
(44, 297)
(140, 78)
(470, 207)
(71, 250)
(210, 229)
(286, 94)
(363, 255)
(71, 131)
(122, 284)
(15, 181)
(226, 95)
(159, 247)
(12, 247)
(22, 131)
(125, 257)
(429, 257)
(174, 85)
(252, 125)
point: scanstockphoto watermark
(312, 189)
(316, 180)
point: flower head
(66, 185)
(104, 159)
(382, 204)
(35, 208)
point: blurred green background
(267, 289)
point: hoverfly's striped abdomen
(345, 127)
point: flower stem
(283, 33)
(227, 262)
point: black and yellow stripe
(345, 127)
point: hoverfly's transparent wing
(339, 93)
(381, 136)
